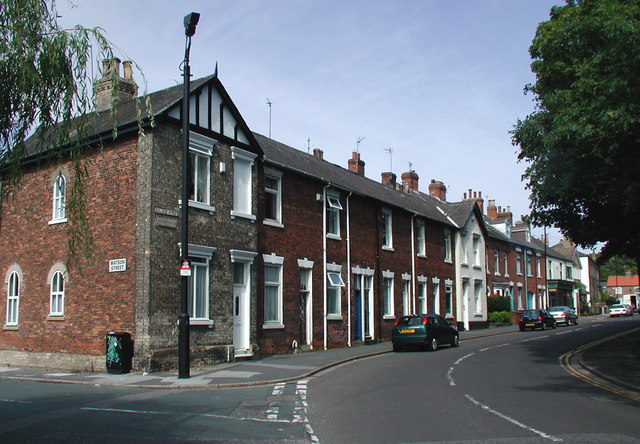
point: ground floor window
(273, 294)
(388, 297)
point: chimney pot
(410, 180)
(438, 190)
(317, 152)
(355, 164)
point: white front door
(241, 314)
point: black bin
(119, 352)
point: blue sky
(438, 81)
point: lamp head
(190, 22)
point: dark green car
(427, 330)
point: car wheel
(554, 325)
(397, 347)
(456, 341)
(575, 321)
(433, 345)
(543, 326)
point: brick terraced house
(288, 251)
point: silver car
(564, 315)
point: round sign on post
(185, 269)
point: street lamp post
(190, 22)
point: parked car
(536, 319)
(620, 310)
(564, 315)
(427, 330)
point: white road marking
(450, 377)
(495, 346)
(15, 401)
(463, 358)
(513, 421)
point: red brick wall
(96, 301)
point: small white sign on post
(185, 269)
(117, 265)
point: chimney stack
(125, 87)
(438, 190)
(492, 210)
(477, 195)
(355, 164)
(389, 179)
(410, 181)
(317, 152)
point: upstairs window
(476, 250)
(242, 183)
(496, 262)
(421, 249)
(333, 216)
(272, 197)
(518, 263)
(447, 245)
(387, 228)
(200, 152)
(59, 200)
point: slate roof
(287, 157)
(161, 101)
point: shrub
(498, 303)
(500, 317)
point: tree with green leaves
(46, 77)
(582, 142)
(617, 266)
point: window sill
(10, 328)
(422, 255)
(448, 261)
(496, 274)
(388, 316)
(273, 223)
(242, 215)
(201, 322)
(478, 315)
(334, 236)
(334, 317)
(202, 206)
(55, 318)
(465, 265)
(58, 221)
(387, 248)
(272, 326)
(477, 267)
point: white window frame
(529, 260)
(200, 150)
(506, 265)
(448, 247)
(271, 260)
(243, 162)
(200, 257)
(496, 262)
(56, 295)
(59, 213)
(422, 297)
(448, 294)
(388, 299)
(334, 293)
(406, 297)
(436, 296)
(518, 263)
(333, 208)
(276, 194)
(475, 245)
(13, 298)
(538, 267)
(421, 244)
(387, 229)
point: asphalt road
(500, 389)
(509, 388)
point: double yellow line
(565, 362)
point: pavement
(614, 361)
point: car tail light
(425, 321)
(539, 318)
(521, 319)
(563, 314)
(397, 321)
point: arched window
(59, 191)
(13, 298)
(57, 294)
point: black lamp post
(190, 22)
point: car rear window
(530, 313)
(617, 306)
(410, 320)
